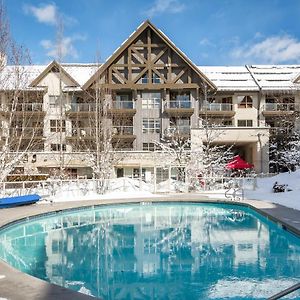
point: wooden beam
(120, 74)
(161, 76)
(140, 75)
(169, 65)
(180, 74)
(149, 54)
(151, 86)
(159, 55)
(139, 55)
(129, 65)
(151, 45)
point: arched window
(247, 102)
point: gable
(148, 59)
(56, 70)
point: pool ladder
(285, 292)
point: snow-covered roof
(254, 77)
(81, 72)
(276, 77)
(228, 78)
(19, 77)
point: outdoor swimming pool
(157, 251)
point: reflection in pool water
(158, 251)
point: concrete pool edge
(29, 287)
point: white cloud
(272, 50)
(46, 13)
(63, 49)
(206, 42)
(165, 6)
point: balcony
(217, 109)
(35, 109)
(82, 109)
(78, 134)
(123, 132)
(179, 107)
(122, 107)
(182, 130)
(27, 133)
(273, 109)
(280, 130)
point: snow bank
(264, 190)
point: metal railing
(179, 104)
(285, 292)
(167, 185)
(217, 107)
(81, 107)
(122, 104)
(183, 129)
(279, 107)
(27, 131)
(122, 130)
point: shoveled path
(15, 285)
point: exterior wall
(255, 141)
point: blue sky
(210, 32)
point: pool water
(157, 251)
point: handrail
(285, 292)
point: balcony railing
(26, 132)
(81, 132)
(217, 107)
(183, 129)
(23, 107)
(122, 104)
(81, 107)
(123, 130)
(179, 104)
(279, 107)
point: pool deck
(15, 285)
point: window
(246, 102)
(56, 124)
(245, 123)
(151, 100)
(53, 101)
(150, 147)
(56, 147)
(151, 125)
(155, 78)
(180, 99)
(145, 79)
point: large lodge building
(151, 86)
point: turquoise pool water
(157, 251)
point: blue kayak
(19, 200)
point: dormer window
(247, 102)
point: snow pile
(265, 192)
(118, 188)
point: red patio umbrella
(238, 164)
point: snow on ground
(289, 198)
(119, 188)
(132, 188)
